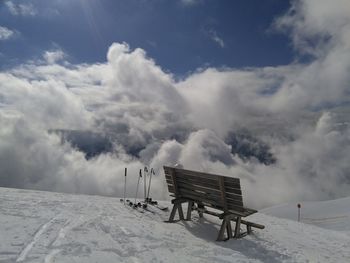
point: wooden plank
(167, 177)
(207, 183)
(234, 202)
(199, 181)
(251, 211)
(169, 181)
(236, 208)
(210, 212)
(198, 187)
(222, 192)
(204, 182)
(167, 169)
(232, 185)
(171, 186)
(243, 213)
(173, 178)
(234, 191)
(232, 180)
(234, 197)
(201, 196)
(197, 198)
(248, 223)
(199, 191)
(193, 177)
(205, 188)
(171, 189)
(198, 174)
(206, 175)
(229, 180)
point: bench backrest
(216, 191)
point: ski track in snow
(51, 227)
(22, 256)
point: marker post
(125, 173)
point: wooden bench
(202, 191)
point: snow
(331, 214)
(53, 227)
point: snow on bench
(209, 190)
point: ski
(155, 204)
(146, 208)
(140, 207)
(162, 208)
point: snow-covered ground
(53, 227)
(332, 214)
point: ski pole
(137, 187)
(149, 183)
(144, 182)
(125, 172)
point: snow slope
(53, 227)
(332, 214)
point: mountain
(53, 227)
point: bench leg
(229, 229)
(200, 209)
(181, 213)
(172, 214)
(222, 230)
(189, 210)
(249, 229)
(176, 207)
(225, 226)
(238, 227)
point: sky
(217, 86)
(179, 35)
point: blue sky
(180, 35)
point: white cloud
(22, 9)
(144, 111)
(218, 40)
(54, 56)
(6, 33)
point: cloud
(21, 9)
(218, 40)
(314, 27)
(149, 118)
(54, 56)
(6, 33)
(128, 99)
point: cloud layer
(152, 119)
